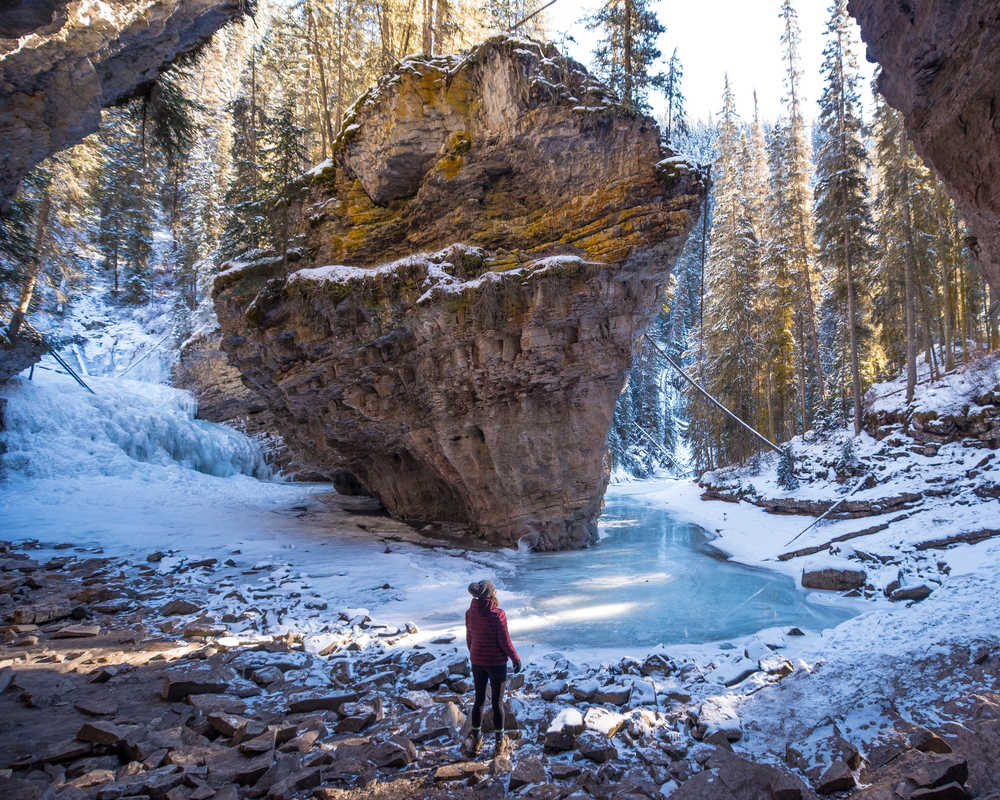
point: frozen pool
(652, 580)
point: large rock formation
(508, 230)
(62, 61)
(941, 68)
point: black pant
(496, 676)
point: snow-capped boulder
(473, 270)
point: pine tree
(284, 158)
(842, 212)
(125, 197)
(797, 206)
(675, 124)
(731, 328)
(246, 226)
(627, 50)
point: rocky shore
(129, 680)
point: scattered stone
(838, 777)
(583, 690)
(100, 732)
(429, 676)
(265, 676)
(395, 752)
(917, 592)
(155, 557)
(183, 681)
(355, 717)
(937, 770)
(549, 691)
(596, 747)
(319, 701)
(603, 721)
(616, 695)
(228, 725)
(259, 744)
(948, 791)
(795, 632)
(774, 664)
(178, 607)
(461, 771)
(96, 708)
(77, 632)
(563, 730)
(729, 673)
(416, 699)
(833, 579)
(17, 789)
(525, 772)
(928, 741)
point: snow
(950, 394)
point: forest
(829, 255)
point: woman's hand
(517, 667)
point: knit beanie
(482, 589)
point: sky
(715, 37)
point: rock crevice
(473, 271)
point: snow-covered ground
(129, 470)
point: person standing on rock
(489, 648)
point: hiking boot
(474, 742)
(500, 747)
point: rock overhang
(456, 333)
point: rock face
(941, 68)
(62, 61)
(509, 230)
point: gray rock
(526, 771)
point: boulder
(941, 69)
(501, 231)
(603, 721)
(917, 592)
(833, 578)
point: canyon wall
(62, 61)
(940, 64)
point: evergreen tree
(675, 123)
(246, 226)
(842, 212)
(778, 298)
(627, 49)
(125, 197)
(731, 323)
(284, 158)
(797, 205)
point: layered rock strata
(472, 273)
(62, 61)
(941, 68)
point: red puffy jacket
(486, 634)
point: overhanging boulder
(477, 264)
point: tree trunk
(313, 37)
(34, 267)
(909, 268)
(628, 89)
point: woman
(489, 648)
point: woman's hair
(483, 590)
